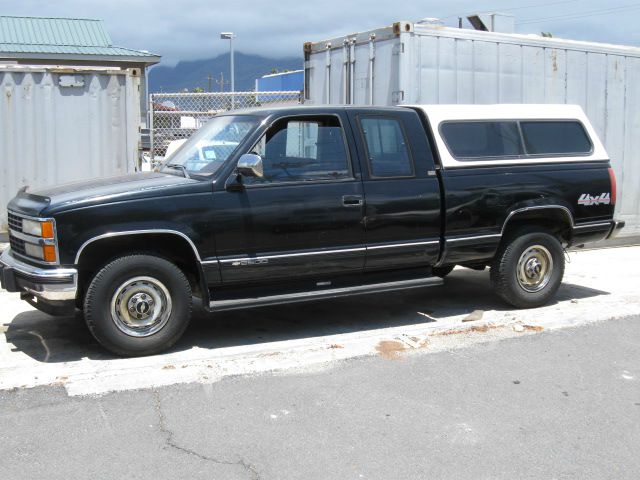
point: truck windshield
(207, 150)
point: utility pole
(221, 82)
(209, 82)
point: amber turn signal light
(49, 253)
(47, 229)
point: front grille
(15, 222)
(17, 245)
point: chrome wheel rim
(141, 306)
(535, 267)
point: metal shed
(72, 104)
(414, 63)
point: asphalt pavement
(556, 405)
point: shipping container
(281, 82)
(59, 125)
(414, 63)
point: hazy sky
(189, 29)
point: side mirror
(250, 165)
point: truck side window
(303, 149)
(551, 137)
(387, 148)
(480, 139)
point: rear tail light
(614, 186)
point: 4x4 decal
(587, 200)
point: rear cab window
(388, 154)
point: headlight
(41, 252)
(34, 251)
(38, 229)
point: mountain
(194, 74)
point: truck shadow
(48, 339)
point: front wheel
(138, 305)
(528, 270)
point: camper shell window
(509, 139)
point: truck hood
(47, 201)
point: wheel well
(168, 246)
(553, 220)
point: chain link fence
(176, 116)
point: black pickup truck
(292, 204)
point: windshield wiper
(177, 166)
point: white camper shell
(519, 117)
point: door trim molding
(407, 244)
(227, 260)
(364, 248)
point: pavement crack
(171, 443)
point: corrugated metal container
(409, 63)
(62, 125)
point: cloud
(189, 29)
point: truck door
(402, 191)
(304, 217)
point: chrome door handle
(352, 201)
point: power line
(510, 9)
(585, 14)
(536, 5)
(575, 15)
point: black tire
(442, 271)
(115, 287)
(510, 277)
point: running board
(234, 304)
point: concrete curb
(616, 242)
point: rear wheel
(528, 269)
(138, 305)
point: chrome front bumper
(47, 284)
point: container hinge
(372, 58)
(328, 73)
(397, 96)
